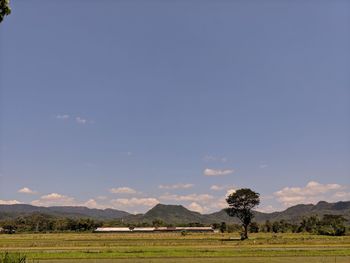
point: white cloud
(190, 197)
(266, 209)
(55, 199)
(53, 196)
(196, 207)
(176, 186)
(123, 190)
(203, 203)
(221, 203)
(217, 187)
(80, 120)
(214, 205)
(132, 202)
(230, 191)
(311, 193)
(341, 196)
(263, 166)
(212, 158)
(26, 190)
(92, 203)
(62, 117)
(217, 172)
(9, 202)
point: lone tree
(241, 204)
(4, 9)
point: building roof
(151, 229)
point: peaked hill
(171, 214)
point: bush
(254, 228)
(332, 231)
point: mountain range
(13, 211)
(176, 214)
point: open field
(148, 247)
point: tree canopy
(4, 9)
(241, 204)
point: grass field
(173, 247)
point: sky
(126, 104)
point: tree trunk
(245, 234)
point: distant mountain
(297, 212)
(293, 213)
(171, 214)
(12, 211)
(177, 214)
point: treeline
(331, 225)
(39, 222)
(45, 223)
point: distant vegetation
(45, 223)
(323, 218)
(332, 225)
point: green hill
(173, 214)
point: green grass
(12, 258)
(214, 260)
(155, 247)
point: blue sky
(126, 104)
